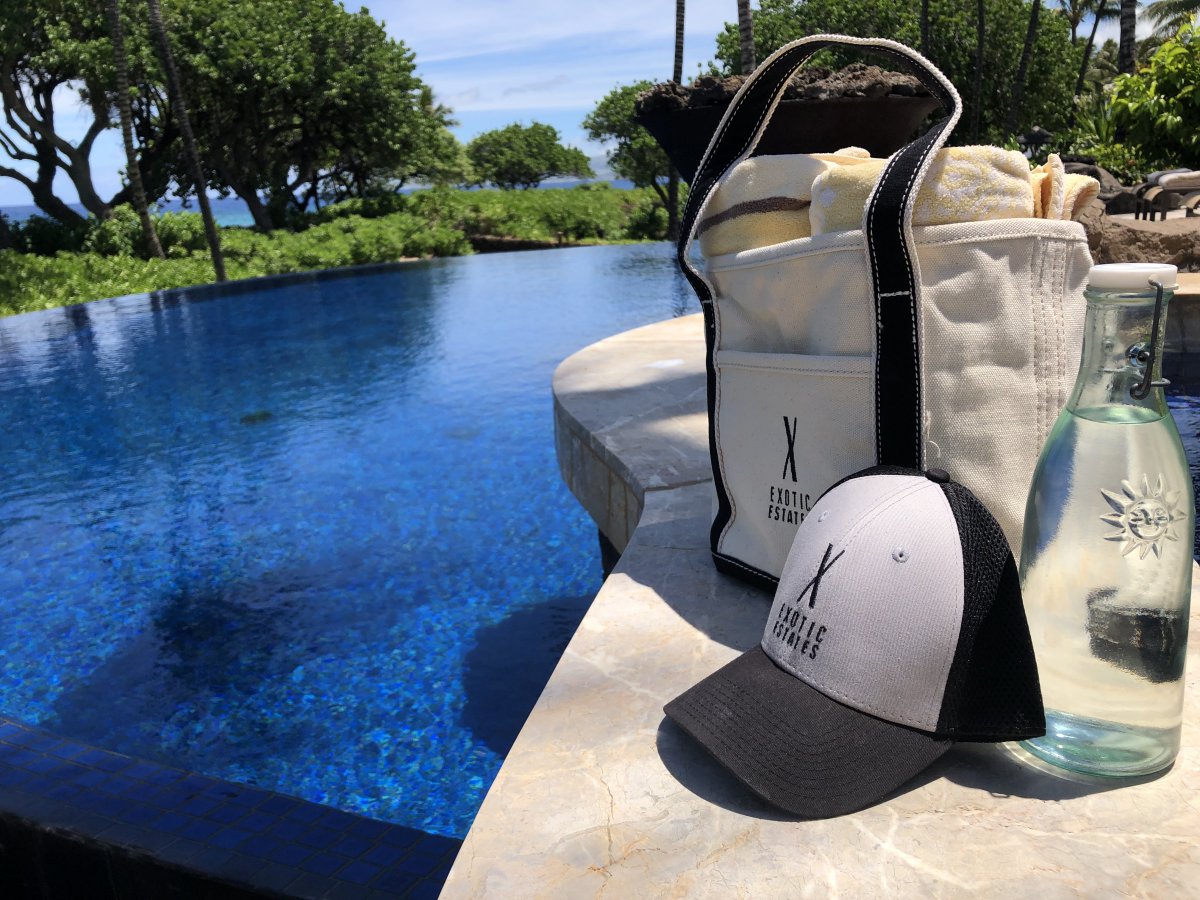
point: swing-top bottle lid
(1131, 276)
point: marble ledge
(630, 417)
(602, 796)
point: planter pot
(881, 125)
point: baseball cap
(897, 629)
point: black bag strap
(887, 222)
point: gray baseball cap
(897, 629)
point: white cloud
(541, 55)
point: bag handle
(887, 221)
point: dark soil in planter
(855, 80)
(821, 110)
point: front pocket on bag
(788, 428)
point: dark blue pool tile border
(78, 821)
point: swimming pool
(310, 535)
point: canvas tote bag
(944, 346)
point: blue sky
(496, 63)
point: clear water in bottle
(1106, 558)
(1103, 595)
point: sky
(494, 63)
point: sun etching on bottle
(1145, 518)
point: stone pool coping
(78, 821)
(601, 795)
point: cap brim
(793, 746)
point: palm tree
(672, 173)
(132, 170)
(189, 139)
(1075, 12)
(1018, 88)
(1127, 46)
(1169, 16)
(979, 35)
(746, 33)
(1101, 10)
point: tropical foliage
(1053, 58)
(1159, 107)
(523, 156)
(633, 153)
(292, 101)
(49, 264)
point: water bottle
(1106, 560)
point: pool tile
(257, 821)
(384, 855)
(226, 815)
(349, 845)
(289, 854)
(229, 838)
(198, 806)
(258, 845)
(288, 830)
(323, 863)
(273, 876)
(368, 829)
(199, 830)
(359, 872)
(318, 838)
(306, 812)
(278, 805)
(425, 890)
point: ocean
(232, 211)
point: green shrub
(45, 237)
(432, 222)
(181, 233)
(368, 208)
(118, 235)
(1159, 106)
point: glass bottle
(1106, 560)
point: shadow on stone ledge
(996, 769)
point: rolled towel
(1049, 189)
(964, 184)
(764, 200)
(1078, 192)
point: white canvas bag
(943, 346)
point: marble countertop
(602, 796)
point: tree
(132, 168)
(952, 46)
(746, 37)
(673, 173)
(1159, 106)
(295, 99)
(523, 156)
(1018, 88)
(1101, 10)
(977, 95)
(635, 156)
(180, 113)
(1075, 11)
(54, 50)
(1169, 16)
(1127, 46)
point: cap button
(939, 476)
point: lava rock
(855, 80)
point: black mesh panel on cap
(992, 692)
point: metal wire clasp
(1141, 390)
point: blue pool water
(309, 536)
